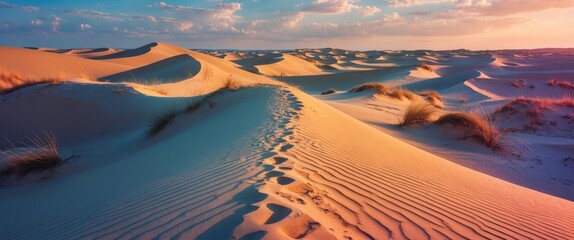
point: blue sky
(266, 24)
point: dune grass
(13, 81)
(562, 84)
(477, 125)
(433, 97)
(41, 153)
(426, 67)
(231, 83)
(159, 122)
(329, 91)
(416, 114)
(379, 88)
(399, 93)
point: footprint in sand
(286, 147)
(280, 160)
(285, 180)
(279, 213)
(274, 174)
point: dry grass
(231, 84)
(433, 97)
(562, 84)
(400, 93)
(329, 91)
(194, 106)
(519, 83)
(379, 88)
(13, 81)
(417, 113)
(426, 67)
(159, 122)
(534, 108)
(41, 153)
(477, 125)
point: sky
(289, 24)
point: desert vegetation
(38, 154)
(562, 84)
(399, 93)
(433, 97)
(231, 83)
(416, 114)
(12, 81)
(329, 91)
(425, 67)
(478, 125)
(535, 109)
(160, 121)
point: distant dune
(161, 142)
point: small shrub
(425, 67)
(400, 93)
(381, 89)
(329, 91)
(519, 83)
(378, 87)
(38, 155)
(562, 84)
(194, 106)
(160, 122)
(417, 113)
(231, 84)
(477, 125)
(433, 97)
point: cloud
(85, 26)
(36, 22)
(184, 26)
(330, 6)
(56, 21)
(510, 7)
(293, 21)
(369, 10)
(220, 18)
(18, 7)
(339, 6)
(90, 13)
(410, 3)
(393, 18)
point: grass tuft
(433, 97)
(379, 88)
(479, 126)
(41, 153)
(562, 84)
(426, 67)
(160, 122)
(231, 83)
(329, 91)
(417, 113)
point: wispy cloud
(18, 7)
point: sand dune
(171, 69)
(245, 156)
(29, 62)
(289, 66)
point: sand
(272, 161)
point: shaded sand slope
(171, 69)
(196, 179)
(143, 55)
(35, 63)
(345, 80)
